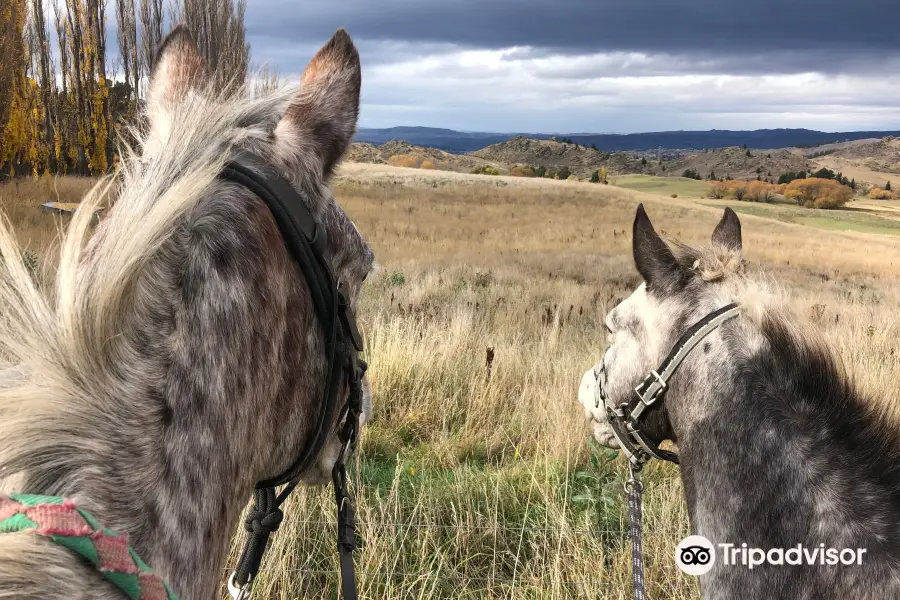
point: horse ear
(321, 119)
(728, 231)
(177, 68)
(652, 257)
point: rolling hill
(762, 139)
(868, 161)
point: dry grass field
(475, 479)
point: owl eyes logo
(694, 555)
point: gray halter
(625, 420)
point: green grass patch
(662, 185)
(847, 219)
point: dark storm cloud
(740, 36)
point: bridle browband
(625, 420)
(306, 241)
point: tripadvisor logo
(696, 555)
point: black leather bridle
(306, 241)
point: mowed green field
(687, 188)
(849, 218)
(859, 215)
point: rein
(306, 241)
(625, 421)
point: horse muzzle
(592, 397)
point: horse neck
(216, 358)
(777, 449)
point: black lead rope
(346, 515)
(625, 423)
(634, 487)
(306, 241)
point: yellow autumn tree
(13, 106)
(60, 111)
(877, 193)
(814, 192)
(760, 191)
(410, 161)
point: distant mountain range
(760, 139)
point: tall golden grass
(475, 478)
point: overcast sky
(604, 65)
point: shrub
(760, 191)
(818, 193)
(823, 173)
(483, 279)
(427, 164)
(395, 279)
(599, 176)
(564, 173)
(674, 195)
(404, 160)
(887, 188)
(691, 174)
(518, 171)
(486, 171)
(877, 193)
(738, 189)
(718, 190)
(791, 176)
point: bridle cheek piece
(306, 241)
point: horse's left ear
(652, 257)
(728, 231)
(177, 68)
(321, 119)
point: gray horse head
(676, 291)
(179, 359)
(778, 450)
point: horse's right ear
(321, 119)
(652, 257)
(728, 231)
(177, 68)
